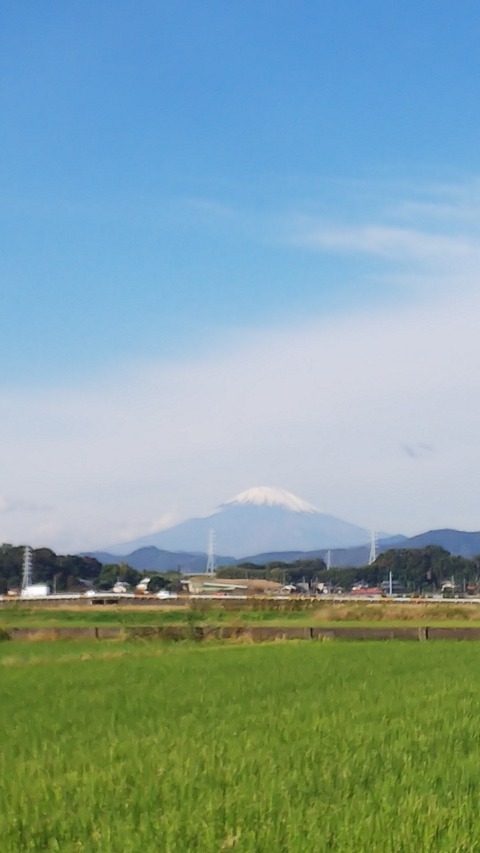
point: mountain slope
(260, 519)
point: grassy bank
(321, 613)
(305, 749)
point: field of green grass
(280, 748)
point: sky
(239, 247)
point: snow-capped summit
(268, 496)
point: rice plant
(281, 748)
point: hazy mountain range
(265, 524)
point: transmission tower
(373, 548)
(27, 567)
(211, 553)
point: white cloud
(373, 416)
(325, 411)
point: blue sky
(185, 186)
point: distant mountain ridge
(457, 542)
(260, 519)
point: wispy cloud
(399, 244)
(417, 451)
(437, 233)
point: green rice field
(280, 748)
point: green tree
(113, 572)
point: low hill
(457, 542)
(151, 559)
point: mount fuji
(258, 520)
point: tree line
(417, 569)
(74, 573)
